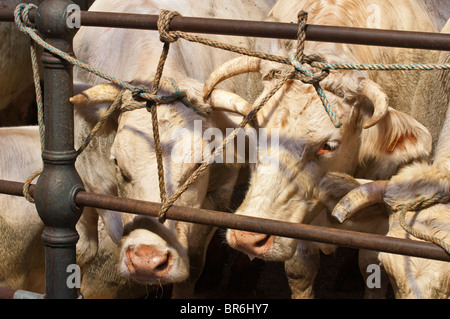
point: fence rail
(54, 200)
(325, 235)
(361, 36)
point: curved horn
(380, 100)
(226, 101)
(102, 93)
(240, 65)
(359, 198)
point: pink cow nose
(251, 243)
(148, 262)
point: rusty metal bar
(259, 225)
(362, 36)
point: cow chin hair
(282, 249)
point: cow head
(153, 252)
(373, 141)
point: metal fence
(59, 194)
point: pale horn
(230, 102)
(99, 94)
(359, 198)
(379, 98)
(237, 66)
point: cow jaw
(274, 193)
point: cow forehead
(300, 114)
(136, 129)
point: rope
(381, 67)
(23, 9)
(296, 70)
(163, 23)
(418, 205)
(287, 74)
(22, 21)
(115, 106)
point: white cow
(366, 145)
(415, 277)
(20, 243)
(411, 277)
(433, 97)
(374, 140)
(128, 165)
(432, 93)
(21, 246)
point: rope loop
(164, 25)
(24, 10)
(306, 74)
(138, 92)
(143, 94)
(419, 204)
(295, 68)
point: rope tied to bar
(165, 35)
(23, 22)
(153, 100)
(140, 93)
(299, 61)
(420, 204)
(286, 75)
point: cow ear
(394, 141)
(113, 224)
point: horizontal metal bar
(375, 37)
(258, 225)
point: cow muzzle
(253, 244)
(147, 262)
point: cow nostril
(263, 242)
(165, 263)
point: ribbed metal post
(58, 184)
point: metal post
(58, 184)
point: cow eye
(122, 173)
(328, 147)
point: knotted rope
(420, 204)
(144, 93)
(297, 70)
(286, 75)
(300, 66)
